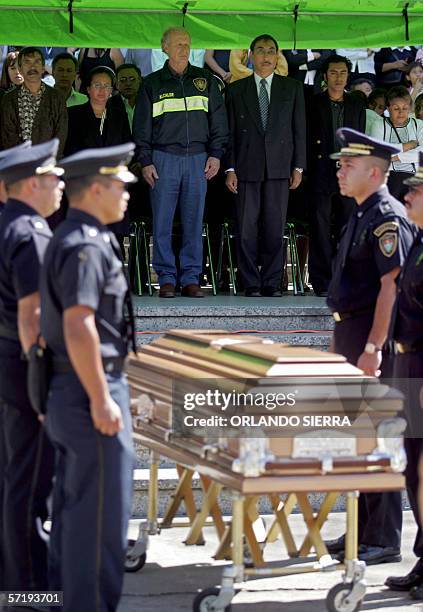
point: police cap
(6, 152)
(107, 161)
(34, 160)
(357, 144)
(417, 179)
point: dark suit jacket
(320, 137)
(84, 129)
(51, 120)
(296, 59)
(253, 153)
(387, 56)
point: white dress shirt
(268, 80)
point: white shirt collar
(268, 80)
(401, 48)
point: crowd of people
(263, 172)
(65, 308)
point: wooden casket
(334, 420)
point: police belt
(401, 348)
(110, 364)
(343, 316)
(9, 334)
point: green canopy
(214, 24)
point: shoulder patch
(200, 83)
(388, 243)
(388, 226)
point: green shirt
(129, 111)
(76, 98)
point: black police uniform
(28, 461)
(92, 497)
(407, 332)
(3, 156)
(375, 241)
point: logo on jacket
(388, 243)
(200, 83)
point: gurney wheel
(335, 599)
(133, 564)
(204, 600)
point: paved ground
(174, 573)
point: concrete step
(301, 320)
(168, 480)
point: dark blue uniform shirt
(408, 322)
(376, 239)
(82, 267)
(24, 237)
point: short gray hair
(174, 30)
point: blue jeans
(181, 180)
(91, 499)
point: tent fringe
(296, 8)
(405, 15)
(70, 7)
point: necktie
(263, 103)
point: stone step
(168, 479)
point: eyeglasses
(127, 79)
(261, 51)
(99, 86)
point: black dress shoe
(167, 291)
(335, 546)
(404, 583)
(373, 555)
(271, 292)
(252, 292)
(320, 292)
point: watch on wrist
(371, 348)
(300, 170)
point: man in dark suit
(266, 157)
(327, 112)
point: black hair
(378, 92)
(418, 103)
(30, 51)
(65, 56)
(263, 37)
(336, 59)
(399, 91)
(361, 80)
(101, 70)
(359, 95)
(127, 67)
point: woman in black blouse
(97, 123)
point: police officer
(3, 155)
(3, 198)
(84, 298)
(361, 295)
(34, 190)
(181, 131)
(407, 331)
